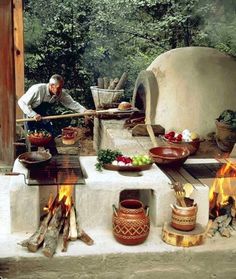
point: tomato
(179, 137)
(171, 134)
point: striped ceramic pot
(131, 223)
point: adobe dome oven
(187, 88)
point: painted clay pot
(184, 218)
(130, 222)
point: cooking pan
(35, 158)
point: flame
(50, 203)
(223, 184)
(66, 191)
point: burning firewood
(36, 240)
(52, 234)
(224, 228)
(61, 217)
(222, 225)
(73, 235)
(65, 235)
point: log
(233, 224)
(86, 238)
(65, 235)
(184, 239)
(113, 83)
(141, 130)
(52, 234)
(224, 229)
(122, 81)
(100, 83)
(213, 229)
(36, 240)
(73, 235)
(106, 82)
(82, 235)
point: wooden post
(7, 83)
(18, 51)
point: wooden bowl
(169, 155)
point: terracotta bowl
(169, 155)
(192, 146)
(39, 141)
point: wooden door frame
(12, 74)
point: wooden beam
(18, 51)
(7, 83)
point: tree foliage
(85, 39)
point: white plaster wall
(4, 204)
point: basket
(106, 98)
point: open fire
(222, 201)
(59, 218)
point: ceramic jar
(130, 222)
(184, 218)
(69, 135)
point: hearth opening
(58, 215)
(222, 201)
(140, 100)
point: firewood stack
(58, 220)
(224, 218)
(112, 83)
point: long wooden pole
(93, 113)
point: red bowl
(169, 155)
(39, 141)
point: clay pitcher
(130, 222)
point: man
(40, 97)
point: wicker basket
(106, 98)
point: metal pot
(35, 158)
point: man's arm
(25, 102)
(67, 101)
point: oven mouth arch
(145, 95)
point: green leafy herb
(228, 117)
(106, 156)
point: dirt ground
(85, 138)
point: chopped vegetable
(106, 156)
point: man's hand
(88, 119)
(37, 117)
